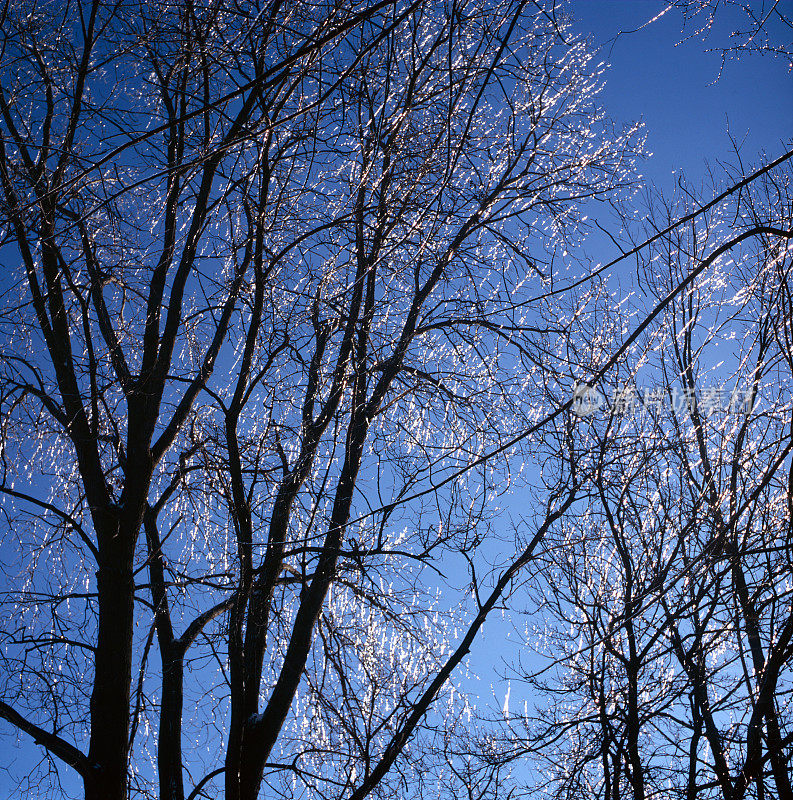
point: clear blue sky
(686, 101)
(681, 92)
(686, 97)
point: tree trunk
(169, 750)
(110, 697)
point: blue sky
(682, 93)
(692, 103)
(687, 98)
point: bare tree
(676, 680)
(126, 151)
(286, 293)
(761, 27)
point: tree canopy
(297, 294)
